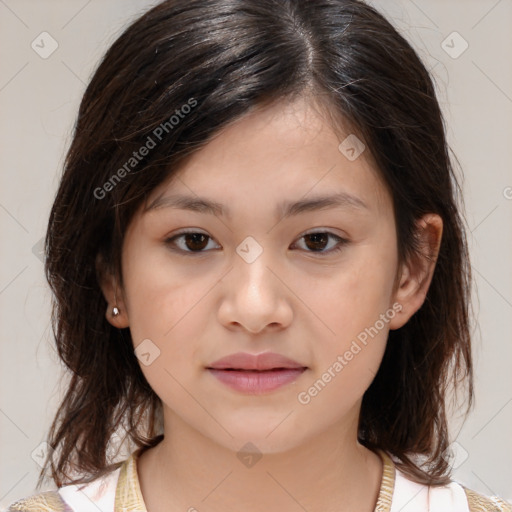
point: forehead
(278, 153)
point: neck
(330, 472)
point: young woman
(260, 273)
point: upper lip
(246, 361)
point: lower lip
(256, 382)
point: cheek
(159, 292)
(355, 304)
(355, 293)
(167, 306)
(355, 308)
(167, 311)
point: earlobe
(116, 313)
(416, 274)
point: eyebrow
(284, 209)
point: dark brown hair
(224, 59)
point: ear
(113, 294)
(416, 274)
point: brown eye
(318, 241)
(195, 241)
(190, 241)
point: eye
(189, 241)
(319, 240)
(197, 242)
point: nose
(254, 297)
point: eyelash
(341, 242)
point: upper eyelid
(187, 231)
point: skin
(306, 305)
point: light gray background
(39, 101)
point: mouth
(256, 373)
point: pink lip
(256, 373)
(256, 382)
(246, 361)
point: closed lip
(247, 361)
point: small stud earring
(115, 309)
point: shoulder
(97, 495)
(409, 496)
(480, 503)
(49, 501)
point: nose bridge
(251, 266)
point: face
(313, 283)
